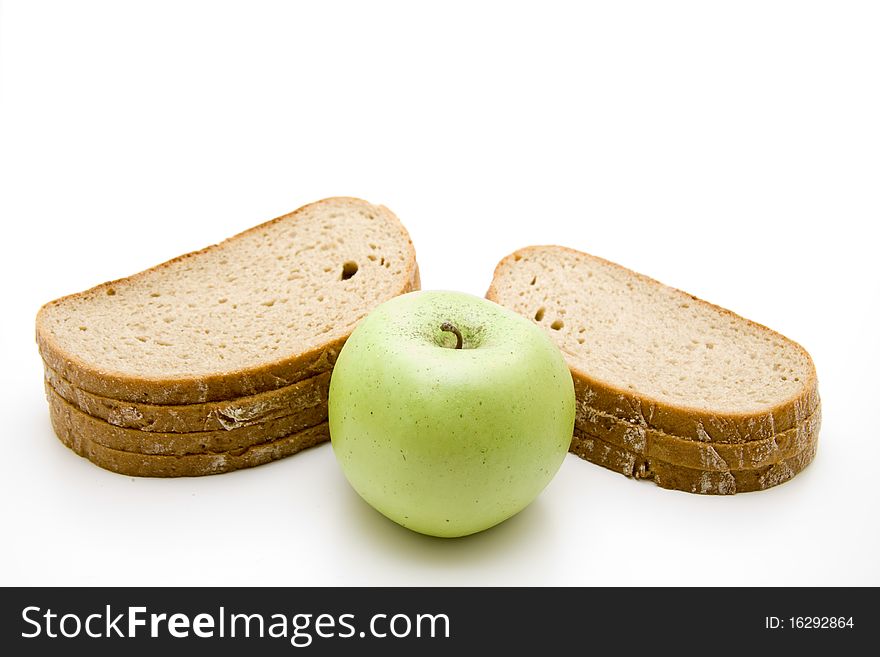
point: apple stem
(451, 328)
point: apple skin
(448, 441)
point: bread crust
(674, 419)
(73, 422)
(691, 480)
(270, 375)
(191, 465)
(223, 415)
(714, 456)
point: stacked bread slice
(669, 387)
(220, 359)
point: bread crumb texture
(258, 311)
(638, 335)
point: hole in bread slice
(349, 269)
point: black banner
(420, 621)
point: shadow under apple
(526, 531)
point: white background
(730, 149)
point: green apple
(449, 413)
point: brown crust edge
(178, 444)
(192, 465)
(691, 423)
(690, 480)
(685, 452)
(275, 374)
(187, 418)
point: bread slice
(691, 480)
(179, 444)
(657, 356)
(223, 415)
(191, 465)
(257, 312)
(679, 372)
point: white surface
(732, 152)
